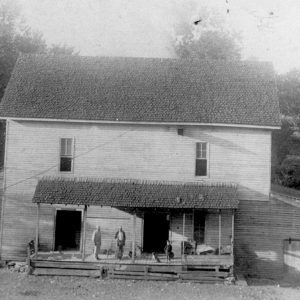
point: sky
(269, 28)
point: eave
(263, 127)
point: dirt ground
(14, 285)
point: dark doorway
(68, 229)
(156, 232)
(199, 227)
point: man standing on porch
(121, 238)
(97, 241)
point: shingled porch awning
(136, 194)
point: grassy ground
(14, 285)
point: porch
(198, 219)
(211, 268)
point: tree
(286, 141)
(16, 38)
(207, 38)
(210, 45)
(289, 93)
(56, 49)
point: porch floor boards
(203, 260)
(208, 268)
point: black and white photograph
(150, 149)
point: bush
(288, 173)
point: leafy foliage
(61, 50)
(286, 142)
(16, 38)
(207, 38)
(289, 93)
(210, 45)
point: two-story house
(171, 146)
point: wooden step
(151, 268)
(114, 272)
(65, 265)
(203, 281)
(204, 274)
(66, 272)
(145, 277)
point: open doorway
(156, 232)
(67, 230)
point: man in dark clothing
(97, 242)
(168, 251)
(121, 239)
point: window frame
(68, 156)
(207, 159)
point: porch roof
(135, 194)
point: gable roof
(133, 193)
(142, 90)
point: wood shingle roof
(136, 194)
(142, 90)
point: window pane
(69, 147)
(62, 146)
(201, 150)
(201, 167)
(198, 150)
(65, 164)
(66, 147)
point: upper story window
(66, 155)
(201, 159)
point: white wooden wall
(124, 151)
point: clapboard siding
(139, 152)
(260, 231)
(177, 234)
(212, 229)
(147, 152)
(110, 219)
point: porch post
(193, 224)
(36, 245)
(232, 232)
(220, 232)
(133, 236)
(183, 233)
(84, 232)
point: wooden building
(165, 148)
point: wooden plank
(190, 268)
(203, 280)
(232, 233)
(64, 265)
(183, 234)
(196, 277)
(142, 278)
(66, 272)
(37, 229)
(84, 232)
(133, 274)
(205, 273)
(151, 268)
(133, 236)
(220, 229)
